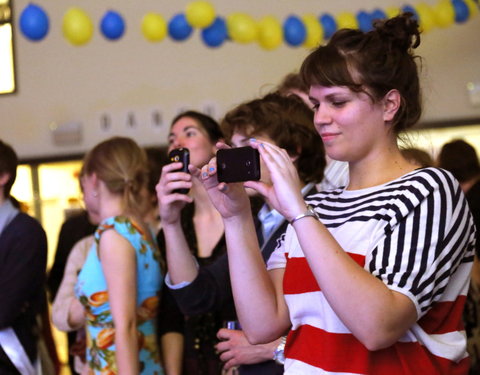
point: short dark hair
(8, 164)
(459, 158)
(292, 81)
(373, 62)
(288, 121)
(206, 122)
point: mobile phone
(238, 164)
(180, 155)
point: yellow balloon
(77, 26)
(426, 16)
(270, 33)
(314, 31)
(392, 12)
(346, 20)
(154, 27)
(200, 14)
(472, 7)
(444, 13)
(241, 28)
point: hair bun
(400, 32)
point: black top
(199, 330)
(23, 259)
(211, 290)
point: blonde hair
(122, 165)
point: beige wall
(59, 83)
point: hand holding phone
(180, 155)
(238, 164)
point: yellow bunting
(270, 33)
(77, 26)
(154, 27)
(200, 14)
(347, 20)
(426, 15)
(314, 31)
(392, 12)
(241, 27)
(444, 13)
(472, 7)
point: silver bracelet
(279, 353)
(309, 212)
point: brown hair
(373, 62)
(122, 165)
(459, 158)
(292, 81)
(288, 122)
(8, 164)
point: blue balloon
(378, 14)
(34, 22)
(215, 34)
(112, 25)
(364, 21)
(461, 11)
(179, 28)
(409, 8)
(294, 31)
(329, 25)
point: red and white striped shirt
(416, 234)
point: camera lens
(248, 163)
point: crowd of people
(348, 255)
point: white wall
(59, 83)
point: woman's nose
(321, 116)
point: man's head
(8, 168)
(285, 121)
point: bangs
(327, 66)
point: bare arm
(118, 260)
(181, 263)
(64, 310)
(387, 315)
(172, 353)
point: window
(7, 66)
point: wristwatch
(309, 212)
(279, 354)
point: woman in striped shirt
(371, 278)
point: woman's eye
(190, 134)
(315, 106)
(339, 103)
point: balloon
(426, 16)
(392, 11)
(178, 27)
(444, 13)
(410, 9)
(200, 14)
(346, 20)
(461, 11)
(364, 21)
(112, 25)
(34, 22)
(77, 26)
(314, 31)
(241, 28)
(154, 27)
(270, 33)
(378, 14)
(294, 31)
(473, 7)
(216, 33)
(329, 25)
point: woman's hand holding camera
(170, 202)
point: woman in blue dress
(119, 284)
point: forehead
(185, 123)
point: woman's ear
(391, 104)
